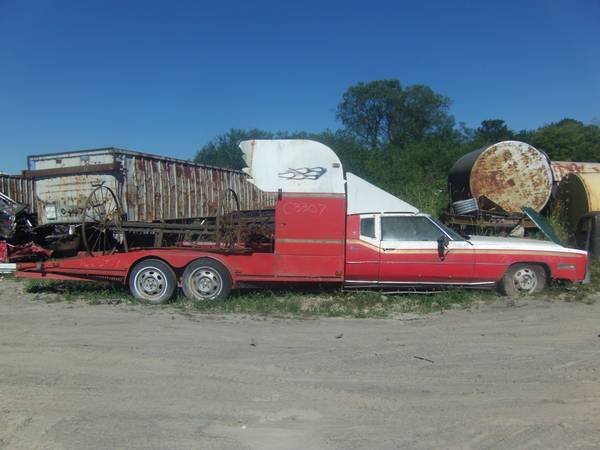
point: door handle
(386, 249)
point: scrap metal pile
(105, 228)
(100, 201)
(17, 232)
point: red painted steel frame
(309, 246)
(311, 232)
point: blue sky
(167, 76)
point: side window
(367, 227)
(400, 228)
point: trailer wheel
(206, 279)
(523, 279)
(152, 281)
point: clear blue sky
(168, 76)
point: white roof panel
(366, 198)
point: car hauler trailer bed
(148, 188)
(325, 228)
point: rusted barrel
(578, 194)
(511, 174)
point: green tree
(569, 140)
(491, 131)
(381, 112)
(224, 151)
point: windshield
(449, 231)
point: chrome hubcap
(206, 282)
(525, 280)
(151, 283)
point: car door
(409, 253)
(362, 250)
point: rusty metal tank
(578, 194)
(563, 168)
(511, 174)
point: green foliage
(491, 131)
(381, 112)
(223, 151)
(568, 140)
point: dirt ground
(501, 376)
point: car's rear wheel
(523, 279)
(152, 281)
(206, 279)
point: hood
(494, 242)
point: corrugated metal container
(20, 189)
(563, 168)
(578, 194)
(150, 187)
(511, 174)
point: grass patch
(586, 293)
(90, 292)
(357, 304)
(303, 303)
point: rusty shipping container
(563, 168)
(19, 188)
(511, 174)
(150, 187)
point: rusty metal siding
(150, 187)
(20, 189)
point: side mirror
(442, 246)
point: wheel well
(533, 263)
(212, 259)
(145, 258)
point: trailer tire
(523, 279)
(152, 281)
(206, 279)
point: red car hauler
(326, 228)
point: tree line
(404, 139)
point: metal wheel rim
(525, 280)
(151, 283)
(206, 283)
(104, 211)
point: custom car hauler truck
(325, 228)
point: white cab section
(293, 165)
(366, 198)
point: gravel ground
(501, 376)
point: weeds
(333, 303)
(304, 303)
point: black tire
(206, 279)
(152, 281)
(523, 279)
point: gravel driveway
(79, 376)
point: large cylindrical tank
(578, 194)
(511, 174)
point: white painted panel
(365, 198)
(293, 165)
